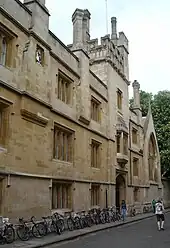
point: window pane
(63, 146)
(3, 51)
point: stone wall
(166, 192)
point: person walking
(159, 211)
(123, 209)
(153, 205)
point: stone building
(67, 137)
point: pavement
(143, 234)
(100, 235)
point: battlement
(106, 50)
(113, 48)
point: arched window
(3, 50)
(151, 157)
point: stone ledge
(34, 118)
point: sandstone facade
(67, 136)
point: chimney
(123, 45)
(81, 27)
(136, 94)
(40, 17)
(86, 26)
(114, 28)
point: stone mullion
(65, 147)
(69, 148)
(60, 145)
(95, 156)
(59, 88)
(0, 48)
(65, 92)
(55, 144)
(121, 142)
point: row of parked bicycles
(56, 223)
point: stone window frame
(8, 36)
(65, 150)
(95, 109)
(95, 194)
(4, 121)
(41, 50)
(134, 138)
(135, 167)
(119, 99)
(61, 195)
(95, 154)
(125, 143)
(64, 88)
(136, 193)
(122, 142)
(118, 142)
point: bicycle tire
(102, 219)
(77, 223)
(23, 233)
(60, 225)
(38, 230)
(70, 224)
(82, 223)
(57, 227)
(89, 221)
(9, 234)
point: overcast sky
(146, 24)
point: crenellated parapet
(112, 48)
(107, 50)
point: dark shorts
(160, 217)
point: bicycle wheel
(23, 233)
(77, 223)
(102, 219)
(60, 224)
(70, 224)
(89, 221)
(9, 234)
(38, 230)
(82, 222)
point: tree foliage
(161, 117)
(160, 105)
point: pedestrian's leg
(162, 223)
(123, 214)
(158, 222)
(159, 225)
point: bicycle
(73, 221)
(132, 211)
(47, 222)
(85, 219)
(25, 230)
(7, 232)
(59, 222)
(38, 229)
(147, 209)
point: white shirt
(159, 208)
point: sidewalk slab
(71, 235)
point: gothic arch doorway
(120, 190)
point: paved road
(143, 234)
